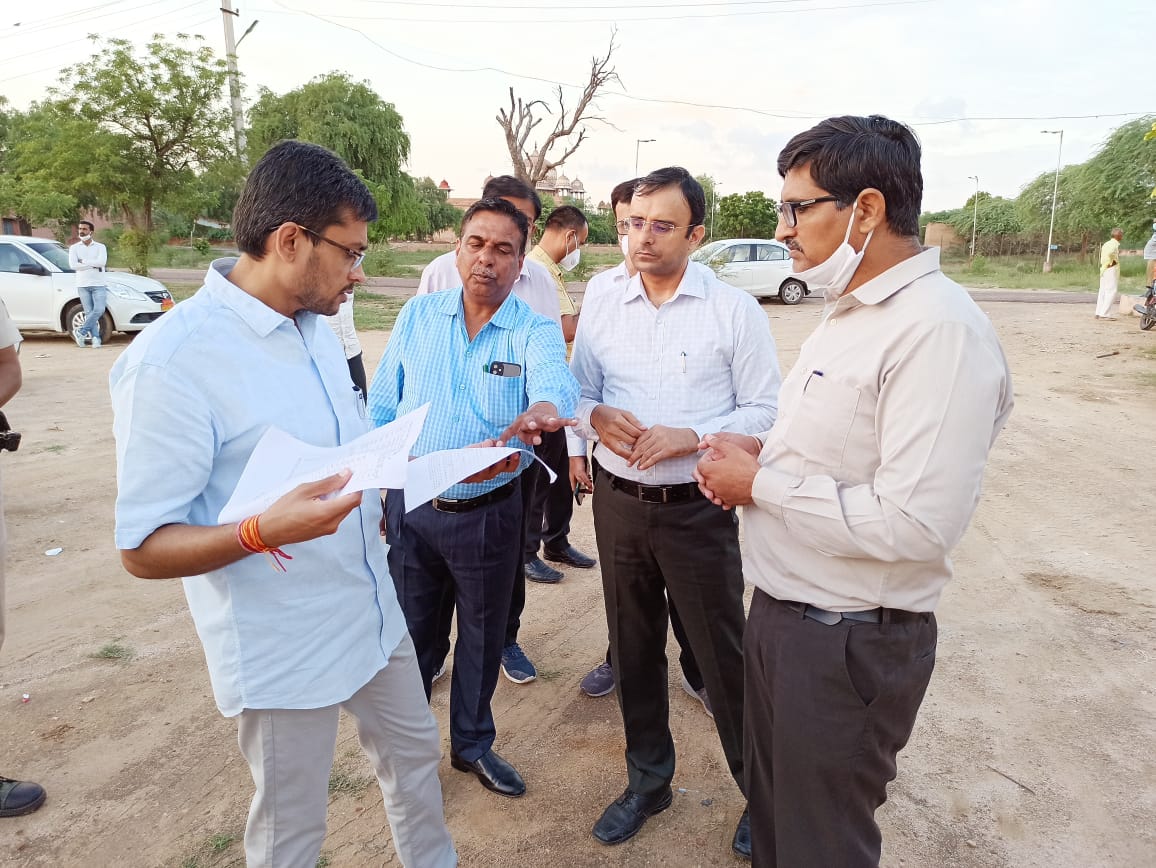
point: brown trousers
(828, 708)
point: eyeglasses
(358, 256)
(623, 226)
(790, 210)
(658, 227)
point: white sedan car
(39, 289)
(761, 267)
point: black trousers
(690, 552)
(828, 708)
(465, 561)
(551, 505)
(685, 655)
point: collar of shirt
(881, 287)
(543, 258)
(505, 317)
(692, 284)
(261, 318)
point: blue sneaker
(516, 666)
(598, 681)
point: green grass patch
(50, 447)
(1022, 272)
(375, 312)
(113, 650)
(323, 861)
(347, 784)
(217, 843)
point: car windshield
(53, 252)
(705, 254)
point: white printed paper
(431, 474)
(281, 462)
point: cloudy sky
(719, 86)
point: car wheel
(791, 291)
(74, 319)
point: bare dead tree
(519, 121)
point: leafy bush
(201, 245)
(978, 264)
(136, 247)
(379, 260)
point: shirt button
(461, 388)
(457, 418)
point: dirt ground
(1034, 746)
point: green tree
(747, 215)
(125, 132)
(439, 213)
(354, 122)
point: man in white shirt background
(88, 258)
(677, 353)
(535, 286)
(856, 496)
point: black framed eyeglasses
(790, 210)
(658, 227)
(358, 256)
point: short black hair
(848, 154)
(87, 223)
(298, 182)
(565, 217)
(508, 185)
(676, 176)
(623, 192)
(500, 206)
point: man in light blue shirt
(191, 397)
(493, 371)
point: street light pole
(1055, 191)
(637, 144)
(974, 212)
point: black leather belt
(869, 616)
(679, 493)
(445, 504)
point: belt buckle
(650, 496)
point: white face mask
(624, 243)
(832, 276)
(570, 261)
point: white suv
(39, 289)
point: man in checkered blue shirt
(494, 372)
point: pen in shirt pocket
(683, 355)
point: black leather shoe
(537, 571)
(494, 772)
(569, 556)
(622, 820)
(19, 797)
(742, 840)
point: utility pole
(637, 144)
(974, 212)
(1055, 191)
(228, 15)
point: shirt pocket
(500, 399)
(821, 422)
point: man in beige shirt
(856, 496)
(551, 506)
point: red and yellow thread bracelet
(249, 536)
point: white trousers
(290, 754)
(1109, 284)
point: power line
(620, 19)
(51, 24)
(615, 6)
(59, 66)
(781, 114)
(135, 22)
